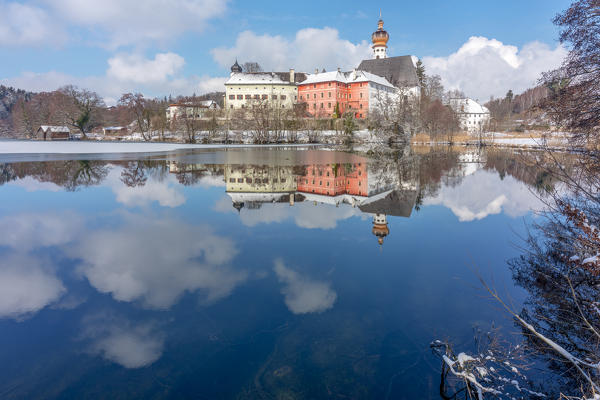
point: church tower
(380, 38)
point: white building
(278, 89)
(196, 110)
(473, 117)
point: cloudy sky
(184, 46)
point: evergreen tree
(421, 72)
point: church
(329, 94)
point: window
(320, 183)
(313, 181)
(314, 96)
(274, 97)
(327, 183)
(361, 93)
(328, 105)
(361, 105)
(300, 97)
(248, 97)
(329, 84)
(322, 95)
(240, 180)
(314, 86)
(231, 97)
(256, 97)
(314, 105)
(248, 180)
(321, 105)
(240, 97)
(350, 96)
(266, 180)
(283, 97)
(265, 96)
(231, 180)
(295, 97)
(329, 94)
(282, 180)
(231, 106)
(327, 173)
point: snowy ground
(83, 147)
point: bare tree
(140, 107)
(251, 66)
(86, 113)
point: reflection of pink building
(335, 179)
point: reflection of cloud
(303, 295)
(28, 231)
(31, 184)
(26, 286)
(121, 342)
(305, 214)
(484, 193)
(157, 260)
(167, 192)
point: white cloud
(119, 341)
(484, 67)
(167, 193)
(30, 184)
(310, 48)
(26, 285)
(304, 214)
(125, 22)
(27, 25)
(483, 193)
(156, 76)
(25, 232)
(137, 69)
(304, 295)
(156, 260)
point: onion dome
(235, 68)
(380, 37)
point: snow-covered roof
(252, 78)
(346, 77)
(468, 106)
(200, 103)
(114, 128)
(54, 129)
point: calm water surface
(287, 274)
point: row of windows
(339, 96)
(339, 84)
(336, 184)
(256, 97)
(329, 105)
(264, 88)
(256, 180)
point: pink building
(354, 91)
(335, 179)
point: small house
(114, 130)
(49, 132)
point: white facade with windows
(473, 117)
(276, 89)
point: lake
(276, 273)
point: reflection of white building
(473, 117)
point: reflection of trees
(563, 302)
(134, 174)
(83, 173)
(7, 173)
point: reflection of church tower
(380, 227)
(380, 38)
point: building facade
(195, 110)
(473, 117)
(276, 89)
(328, 94)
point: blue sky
(180, 47)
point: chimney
(316, 70)
(354, 74)
(292, 199)
(339, 69)
(292, 75)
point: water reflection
(271, 273)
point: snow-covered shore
(85, 147)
